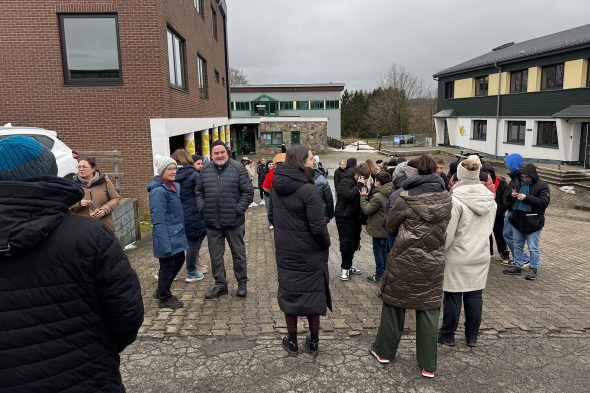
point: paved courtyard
(232, 344)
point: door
(446, 140)
(585, 145)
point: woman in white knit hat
(168, 234)
(467, 253)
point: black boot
(241, 289)
(312, 343)
(290, 344)
(215, 292)
(171, 302)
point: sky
(356, 41)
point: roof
(574, 111)
(446, 113)
(511, 52)
(287, 87)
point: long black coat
(302, 243)
(224, 194)
(194, 225)
(70, 299)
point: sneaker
(253, 204)
(374, 278)
(471, 342)
(262, 203)
(427, 374)
(271, 226)
(513, 271)
(380, 359)
(344, 275)
(507, 262)
(196, 276)
(171, 302)
(215, 292)
(355, 271)
(156, 294)
(526, 264)
(532, 274)
(449, 342)
(157, 277)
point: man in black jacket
(348, 216)
(500, 186)
(70, 300)
(224, 192)
(530, 197)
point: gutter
(227, 73)
(497, 109)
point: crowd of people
(432, 237)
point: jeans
(192, 254)
(390, 243)
(507, 232)
(380, 252)
(169, 268)
(473, 303)
(267, 205)
(216, 241)
(533, 240)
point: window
(213, 22)
(481, 86)
(449, 89)
(242, 106)
(547, 133)
(480, 129)
(303, 105)
(295, 137)
(90, 49)
(286, 105)
(42, 139)
(272, 138)
(516, 130)
(333, 104)
(316, 105)
(199, 6)
(552, 77)
(175, 60)
(216, 74)
(202, 71)
(519, 81)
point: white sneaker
(344, 275)
(156, 276)
(253, 204)
(262, 203)
(355, 271)
(271, 227)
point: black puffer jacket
(302, 243)
(348, 205)
(538, 199)
(224, 194)
(70, 300)
(194, 225)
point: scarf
(521, 205)
(88, 182)
(170, 183)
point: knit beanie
(22, 157)
(161, 162)
(465, 174)
(217, 142)
(281, 157)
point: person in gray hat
(70, 300)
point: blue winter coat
(224, 194)
(168, 234)
(194, 226)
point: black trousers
(499, 236)
(473, 302)
(169, 268)
(349, 234)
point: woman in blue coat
(168, 233)
(194, 226)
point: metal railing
(107, 162)
(389, 142)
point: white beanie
(161, 162)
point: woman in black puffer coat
(194, 225)
(302, 247)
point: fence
(389, 142)
(108, 162)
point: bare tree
(237, 77)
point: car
(65, 157)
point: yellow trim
(534, 81)
(205, 142)
(215, 134)
(222, 134)
(464, 88)
(504, 84)
(228, 136)
(574, 74)
(189, 146)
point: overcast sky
(356, 41)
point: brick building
(140, 77)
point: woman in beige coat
(467, 253)
(100, 196)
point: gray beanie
(161, 162)
(23, 157)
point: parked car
(66, 158)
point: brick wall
(108, 117)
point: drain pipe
(497, 110)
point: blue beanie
(513, 162)
(23, 157)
